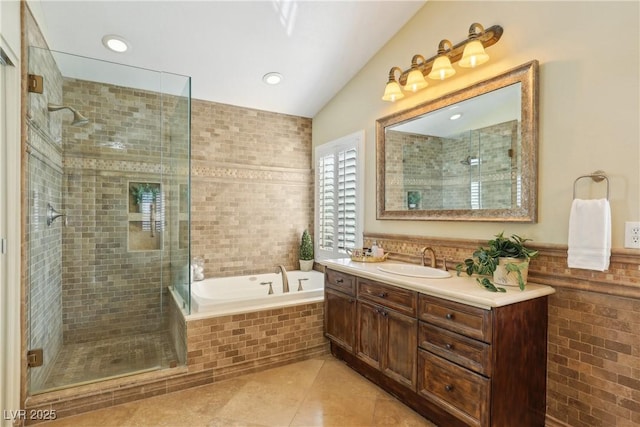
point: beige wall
(588, 113)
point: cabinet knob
(382, 294)
(449, 316)
(448, 387)
(351, 300)
(449, 346)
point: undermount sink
(414, 271)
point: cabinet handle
(382, 294)
(339, 281)
(449, 316)
(381, 312)
(448, 387)
(449, 346)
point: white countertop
(463, 288)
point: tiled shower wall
(109, 289)
(252, 188)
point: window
(339, 202)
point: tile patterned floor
(317, 392)
(87, 362)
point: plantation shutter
(326, 205)
(346, 200)
(338, 193)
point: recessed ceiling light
(115, 43)
(272, 78)
(455, 116)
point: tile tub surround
(318, 392)
(217, 348)
(252, 188)
(593, 365)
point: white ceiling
(227, 46)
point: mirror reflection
(467, 156)
(464, 156)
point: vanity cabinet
(386, 330)
(340, 309)
(454, 363)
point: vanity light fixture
(393, 91)
(442, 67)
(474, 53)
(415, 79)
(468, 53)
(115, 43)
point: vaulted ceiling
(228, 46)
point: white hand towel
(589, 234)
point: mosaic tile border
(251, 173)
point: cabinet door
(368, 333)
(339, 318)
(399, 358)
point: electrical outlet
(632, 234)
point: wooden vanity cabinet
(456, 364)
(484, 367)
(340, 309)
(386, 337)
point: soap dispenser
(374, 249)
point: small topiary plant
(306, 247)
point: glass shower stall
(108, 222)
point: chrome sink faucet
(432, 255)
(285, 280)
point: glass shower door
(99, 275)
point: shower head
(78, 119)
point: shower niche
(145, 216)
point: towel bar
(597, 176)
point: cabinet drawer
(340, 281)
(399, 299)
(457, 390)
(470, 353)
(463, 319)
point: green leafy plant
(486, 283)
(306, 247)
(485, 260)
(138, 192)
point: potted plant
(144, 192)
(506, 258)
(306, 252)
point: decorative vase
(306, 265)
(504, 277)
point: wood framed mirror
(470, 155)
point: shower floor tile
(97, 360)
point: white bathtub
(244, 294)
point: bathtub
(244, 294)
